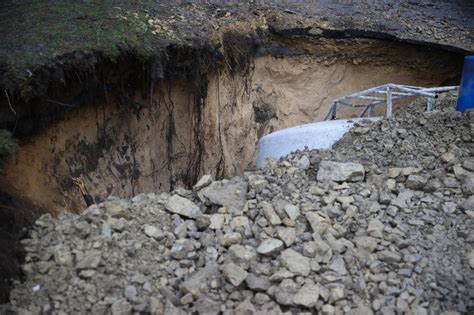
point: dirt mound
(332, 232)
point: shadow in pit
(15, 220)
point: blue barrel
(466, 90)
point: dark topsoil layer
(59, 54)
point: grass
(36, 32)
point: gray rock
(199, 279)
(375, 228)
(319, 224)
(416, 182)
(470, 258)
(307, 296)
(340, 172)
(388, 256)
(181, 248)
(130, 292)
(362, 309)
(449, 207)
(182, 206)
(234, 274)
(323, 252)
(90, 260)
(295, 262)
(261, 298)
(228, 193)
(121, 307)
(302, 163)
(153, 232)
(270, 214)
(338, 265)
(242, 255)
(287, 235)
(257, 283)
(205, 181)
(270, 246)
(285, 292)
(466, 178)
(366, 243)
(230, 239)
(292, 211)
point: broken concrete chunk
(270, 213)
(295, 262)
(340, 172)
(270, 246)
(234, 273)
(228, 193)
(307, 296)
(182, 206)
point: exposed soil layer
(167, 135)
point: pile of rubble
(381, 224)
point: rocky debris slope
(381, 224)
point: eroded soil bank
(165, 137)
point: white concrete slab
(319, 135)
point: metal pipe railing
(392, 92)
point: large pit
(157, 143)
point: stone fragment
(302, 163)
(466, 178)
(340, 172)
(388, 256)
(449, 207)
(153, 232)
(205, 181)
(366, 243)
(182, 206)
(375, 228)
(470, 258)
(338, 265)
(287, 235)
(121, 307)
(361, 309)
(416, 182)
(292, 211)
(230, 239)
(270, 246)
(285, 292)
(130, 292)
(115, 210)
(217, 221)
(234, 274)
(307, 296)
(242, 255)
(227, 193)
(90, 260)
(295, 262)
(270, 213)
(257, 283)
(199, 279)
(319, 224)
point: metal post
(334, 109)
(429, 104)
(389, 103)
(371, 111)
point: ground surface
(43, 41)
(381, 224)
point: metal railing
(385, 94)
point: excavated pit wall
(116, 149)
